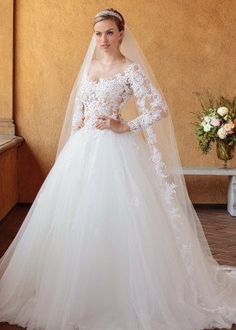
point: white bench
(231, 172)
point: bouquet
(217, 123)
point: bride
(112, 241)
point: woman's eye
(110, 32)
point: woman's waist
(90, 120)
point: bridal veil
(161, 140)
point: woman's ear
(121, 35)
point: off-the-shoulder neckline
(118, 74)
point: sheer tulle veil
(164, 156)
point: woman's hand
(81, 123)
(106, 122)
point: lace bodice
(108, 97)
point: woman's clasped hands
(106, 122)
(116, 125)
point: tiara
(110, 13)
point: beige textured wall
(6, 54)
(189, 44)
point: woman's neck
(111, 59)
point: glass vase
(224, 151)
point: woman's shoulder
(130, 63)
(94, 64)
(133, 64)
(134, 68)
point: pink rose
(228, 127)
(215, 122)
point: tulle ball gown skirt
(96, 252)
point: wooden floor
(218, 225)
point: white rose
(206, 127)
(222, 133)
(203, 123)
(207, 119)
(222, 111)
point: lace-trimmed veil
(164, 156)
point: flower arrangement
(217, 123)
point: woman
(112, 240)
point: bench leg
(231, 205)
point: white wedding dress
(96, 251)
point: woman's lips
(105, 46)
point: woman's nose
(104, 38)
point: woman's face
(107, 35)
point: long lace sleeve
(150, 103)
(78, 115)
